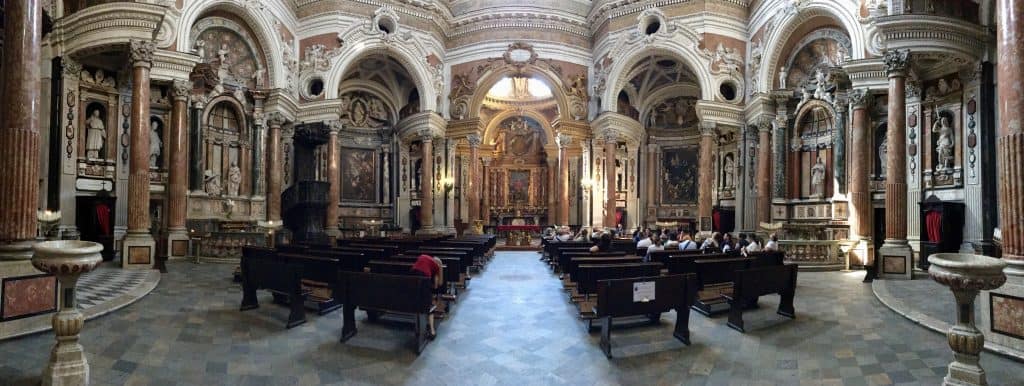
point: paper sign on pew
(643, 291)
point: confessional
(942, 224)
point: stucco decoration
(224, 42)
(825, 47)
(363, 110)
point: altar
(518, 235)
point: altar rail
(815, 255)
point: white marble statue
(782, 79)
(883, 154)
(97, 135)
(222, 54)
(818, 178)
(730, 171)
(821, 87)
(155, 144)
(211, 183)
(944, 145)
(201, 50)
(234, 180)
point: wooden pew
(465, 256)
(376, 293)
(589, 274)
(570, 271)
(715, 279)
(263, 269)
(565, 256)
(756, 282)
(615, 300)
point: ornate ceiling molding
(940, 44)
(101, 27)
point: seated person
(687, 244)
(712, 242)
(431, 267)
(773, 243)
(727, 243)
(673, 242)
(645, 242)
(584, 235)
(742, 242)
(655, 246)
(604, 244)
(563, 235)
(753, 246)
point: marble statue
(944, 144)
(821, 87)
(201, 50)
(234, 180)
(818, 178)
(782, 79)
(730, 171)
(155, 144)
(211, 183)
(97, 135)
(883, 152)
(222, 54)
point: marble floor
(513, 326)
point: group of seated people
(666, 239)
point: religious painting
(519, 186)
(679, 180)
(1007, 315)
(28, 296)
(359, 175)
(519, 136)
(673, 113)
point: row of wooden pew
(605, 285)
(373, 275)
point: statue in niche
(103, 80)
(818, 178)
(944, 144)
(499, 142)
(211, 183)
(729, 168)
(620, 176)
(97, 135)
(822, 89)
(222, 54)
(155, 144)
(782, 79)
(377, 112)
(234, 179)
(883, 154)
(201, 50)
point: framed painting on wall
(519, 186)
(359, 175)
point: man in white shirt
(773, 244)
(671, 243)
(687, 244)
(644, 243)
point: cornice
(625, 127)
(172, 65)
(414, 126)
(101, 26)
(281, 101)
(867, 73)
(319, 111)
(720, 113)
(942, 40)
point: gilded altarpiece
(518, 180)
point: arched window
(223, 118)
(227, 151)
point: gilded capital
(474, 140)
(141, 52)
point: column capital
(859, 98)
(334, 126)
(425, 134)
(897, 62)
(276, 119)
(653, 147)
(181, 89)
(610, 135)
(708, 128)
(764, 124)
(563, 140)
(486, 161)
(141, 52)
(71, 67)
(912, 89)
(474, 140)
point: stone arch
(409, 58)
(235, 104)
(262, 26)
(492, 76)
(674, 48)
(778, 37)
(549, 132)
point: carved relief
(363, 110)
(226, 45)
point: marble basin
(967, 271)
(63, 257)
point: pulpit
(942, 224)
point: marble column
(333, 178)
(563, 178)
(139, 246)
(19, 131)
(895, 254)
(611, 141)
(427, 182)
(473, 187)
(485, 205)
(274, 166)
(706, 177)
(177, 178)
(764, 172)
(553, 185)
(860, 169)
(651, 185)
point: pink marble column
(706, 176)
(764, 172)
(275, 166)
(139, 245)
(563, 178)
(896, 63)
(1010, 143)
(473, 185)
(19, 131)
(177, 138)
(611, 140)
(485, 207)
(334, 178)
(652, 178)
(860, 166)
(427, 182)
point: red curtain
(933, 224)
(103, 218)
(716, 220)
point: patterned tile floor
(107, 283)
(513, 326)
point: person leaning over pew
(604, 244)
(431, 267)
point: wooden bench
(715, 280)
(756, 282)
(377, 293)
(615, 299)
(589, 274)
(263, 269)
